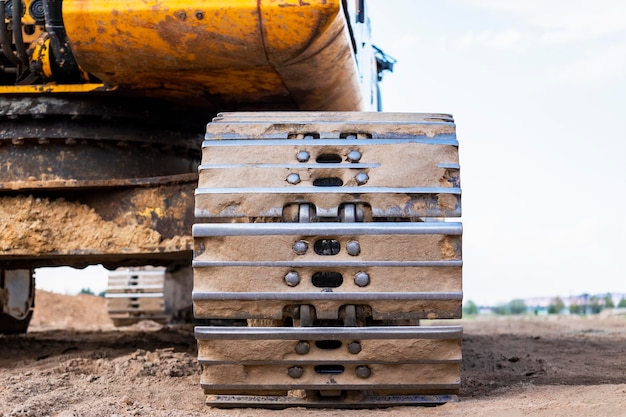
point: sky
(538, 92)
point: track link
(136, 293)
(326, 232)
(149, 293)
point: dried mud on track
(75, 363)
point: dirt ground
(74, 362)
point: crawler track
(326, 233)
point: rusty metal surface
(106, 107)
(60, 143)
(86, 181)
(17, 299)
(348, 400)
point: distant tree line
(89, 292)
(583, 305)
(594, 304)
(512, 308)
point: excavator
(241, 142)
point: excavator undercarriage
(86, 180)
(323, 245)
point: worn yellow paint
(41, 55)
(240, 50)
(55, 88)
(148, 212)
(36, 30)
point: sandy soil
(37, 225)
(75, 363)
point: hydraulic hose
(17, 31)
(5, 42)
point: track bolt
(199, 15)
(293, 179)
(292, 278)
(362, 178)
(363, 371)
(296, 371)
(354, 348)
(302, 348)
(354, 156)
(303, 156)
(353, 247)
(362, 279)
(300, 247)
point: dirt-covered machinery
(151, 293)
(321, 237)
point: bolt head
(353, 247)
(292, 278)
(302, 348)
(354, 156)
(300, 247)
(295, 371)
(361, 279)
(354, 347)
(293, 179)
(363, 371)
(361, 178)
(303, 156)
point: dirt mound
(74, 363)
(79, 312)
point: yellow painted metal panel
(156, 36)
(55, 88)
(241, 50)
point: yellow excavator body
(301, 54)
(250, 50)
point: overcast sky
(538, 91)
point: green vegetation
(470, 308)
(576, 309)
(556, 306)
(593, 304)
(89, 292)
(580, 305)
(514, 307)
